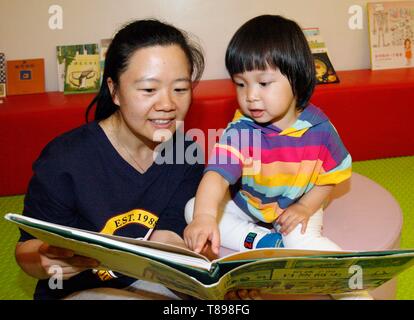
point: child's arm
(301, 211)
(204, 227)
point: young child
(283, 170)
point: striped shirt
(269, 169)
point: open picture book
(271, 270)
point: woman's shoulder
(72, 142)
(76, 137)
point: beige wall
(24, 30)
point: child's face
(266, 97)
(154, 91)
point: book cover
(391, 34)
(102, 54)
(315, 40)
(325, 72)
(2, 75)
(61, 64)
(25, 76)
(78, 68)
(272, 270)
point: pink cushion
(361, 216)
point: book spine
(2, 75)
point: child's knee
(308, 241)
(294, 239)
(189, 210)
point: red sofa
(372, 110)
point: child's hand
(202, 229)
(69, 263)
(295, 214)
(208, 252)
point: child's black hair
(276, 42)
(136, 35)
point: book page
(305, 275)
(268, 253)
(127, 263)
(156, 250)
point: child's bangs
(251, 59)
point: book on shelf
(271, 270)
(325, 72)
(391, 34)
(25, 76)
(2, 75)
(78, 68)
(102, 54)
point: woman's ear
(112, 91)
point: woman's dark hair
(137, 35)
(276, 42)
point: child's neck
(288, 119)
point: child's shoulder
(240, 121)
(314, 114)
(316, 118)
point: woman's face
(154, 91)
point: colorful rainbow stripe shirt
(269, 169)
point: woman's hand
(243, 294)
(295, 214)
(69, 263)
(200, 231)
(36, 259)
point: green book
(78, 68)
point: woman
(104, 176)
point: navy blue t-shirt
(81, 181)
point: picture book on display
(78, 68)
(325, 72)
(271, 270)
(391, 34)
(25, 76)
(102, 54)
(2, 75)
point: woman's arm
(168, 237)
(36, 259)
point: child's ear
(113, 91)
